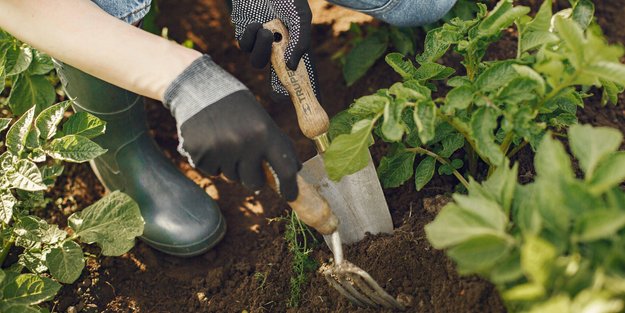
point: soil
(229, 278)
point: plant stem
(442, 160)
(507, 141)
(5, 250)
(517, 149)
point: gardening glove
(222, 128)
(248, 17)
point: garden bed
(251, 268)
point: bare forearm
(79, 33)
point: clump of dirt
(250, 270)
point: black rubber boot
(180, 218)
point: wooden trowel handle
(312, 119)
(310, 206)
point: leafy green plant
(490, 109)
(26, 71)
(34, 148)
(554, 245)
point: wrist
(199, 85)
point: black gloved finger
(261, 53)
(304, 33)
(229, 169)
(251, 173)
(248, 38)
(282, 158)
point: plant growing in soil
(27, 72)
(554, 245)
(32, 151)
(491, 109)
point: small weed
(261, 279)
(296, 236)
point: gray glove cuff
(198, 86)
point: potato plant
(33, 148)
(489, 109)
(554, 245)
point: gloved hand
(222, 128)
(248, 17)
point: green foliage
(493, 110)
(296, 236)
(34, 147)
(554, 243)
(26, 70)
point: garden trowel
(357, 199)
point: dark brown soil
(228, 278)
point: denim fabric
(402, 13)
(129, 11)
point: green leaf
(396, 168)
(41, 64)
(31, 90)
(368, 105)
(4, 123)
(450, 144)
(407, 91)
(526, 292)
(611, 91)
(84, 124)
(552, 162)
(542, 20)
(362, 57)
(392, 126)
(74, 148)
(518, 90)
(501, 17)
(455, 225)
(609, 173)
(18, 60)
(19, 308)
(7, 202)
(432, 71)
(437, 42)
(49, 119)
(401, 65)
(479, 253)
(573, 36)
(488, 211)
(458, 98)
(537, 39)
(348, 153)
(528, 72)
(537, 258)
(66, 262)
(30, 289)
(26, 176)
(591, 145)
(610, 71)
(425, 119)
(599, 224)
(496, 76)
(583, 13)
(113, 223)
(483, 123)
(424, 172)
(507, 270)
(16, 136)
(341, 123)
(502, 185)
(403, 40)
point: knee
(410, 13)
